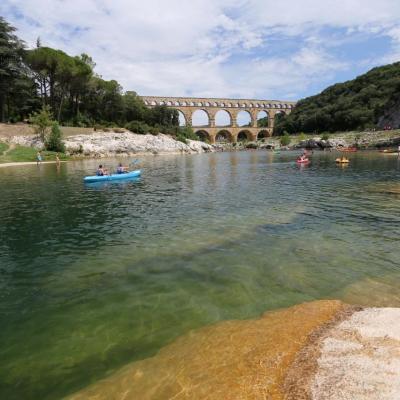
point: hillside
(365, 102)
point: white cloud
(207, 47)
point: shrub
(54, 141)
(285, 139)
(325, 136)
(302, 137)
(42, 121)
(138, 127)
(187, 132)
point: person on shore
(39, 157)
(101, 171)
(121, 169)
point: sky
(261, 49)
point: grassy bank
(26, 154)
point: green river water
(94, 277)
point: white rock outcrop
(104, 144)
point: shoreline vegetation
(19, 143)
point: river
(94, 277)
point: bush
(42, 121)
(285, 139)
(302, 137)
(187, 132)
(138, 127)
(54, 141)
(325, 136)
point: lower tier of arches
(232, 135)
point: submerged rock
(230, 360)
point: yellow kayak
(342, 161)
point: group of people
(39, 158)
(101, 171)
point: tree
(42, 120)
(54, 141)
(11, 65)
(353, 105)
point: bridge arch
(224, 136)
(244, 135)
(263, 134)
(203, 135)
(244, 118)
(223, 118)
(200, 117)
(262, 119)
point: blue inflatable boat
(112, 177)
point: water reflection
(93, 277)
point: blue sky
(218, 48)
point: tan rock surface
(230, 360)
(360, 358)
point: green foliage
(22, 153)
(263, 122)
(42, 120)
(3, 148)
(138, 127)
(325, 136)
(54, 141)
(68, 88)
(17, 90)
(352, 105)
(302, 137)
(285, 139)
(184, 133)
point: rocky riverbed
(322, 350)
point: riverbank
(107, 144)
(15, 164)
(322, 350)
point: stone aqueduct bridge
(232, 132)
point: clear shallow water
(93, 277)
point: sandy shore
(15, 164)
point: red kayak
(305, 161)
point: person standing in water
(57, 160)
(38, 157)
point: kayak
(306, 161)
(340, 161)
(112, 177)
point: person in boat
(302, 158)
(101, 171)
(121, 169)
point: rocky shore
(107, 144)
(322, 350)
